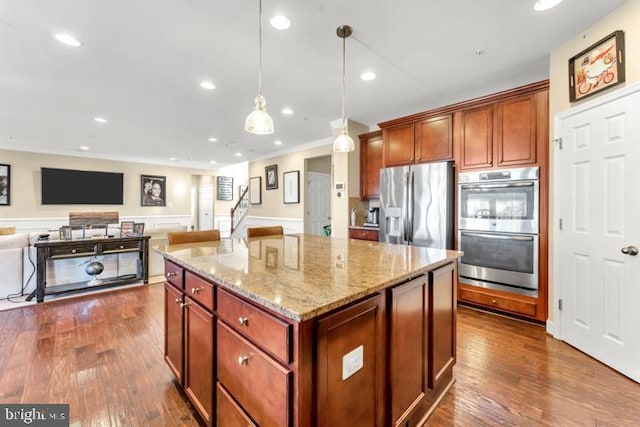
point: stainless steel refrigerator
(417, 205)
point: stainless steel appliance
(417, 205)
(372, 217)
(498, 229)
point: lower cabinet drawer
(174, 274)
(229, 413)
(258, 383)
(516, 304)
(199, 289)
(68, 251)
(358, 233)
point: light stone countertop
(302, 276)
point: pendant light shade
(259, 122)
(343, 142)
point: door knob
(630, 250)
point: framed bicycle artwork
(598, 67)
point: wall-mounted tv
(77, 187)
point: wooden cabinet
(372, 234)
(370, 164)
(501, 134)
(350, 365)
(423, 343)
(427, 140)
(496, 300)
(229, 413)
(189, 340)
(408, 358)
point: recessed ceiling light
(280, 22)
(545, 4)
(207, 85)
(277, 142)
(238, 154)
(287, 111)
(84, 148)
(173, 159)
(213, 162)
(100, 119)
(368, 75)
(212, 139)
(67, 40)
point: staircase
(238, 214)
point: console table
(77, 248)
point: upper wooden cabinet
(501, 134)
(370, 164)
(427, 140)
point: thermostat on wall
(340, 186)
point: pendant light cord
(343, 84)
(260, 48)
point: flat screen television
(77, 187)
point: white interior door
(318, 202)
(596, 273)
(205, 207)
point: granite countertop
(303, 276)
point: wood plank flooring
(103, 354)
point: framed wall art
(598, 67)
(5, 185)
(255, 190)
(153, 190)
(225, 187)
(271, 173)
(241, 189)
(291, 184)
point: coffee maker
(372, 217)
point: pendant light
(259, 122)
(343, 142)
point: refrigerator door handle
(410, 208)
(405, 210)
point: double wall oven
(498, 229)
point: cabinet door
(516, 131)
(476, 138)
(173, 337)
(443, 325)
(398, 145)
(370, 165)
(198, 369)
(350, 365)
(434, 139)
(409, 348)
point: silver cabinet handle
(630, 250)
(195, 290)
(171, 274)
(243, 320)
(178, 300)
(243, 360)
(184, 304)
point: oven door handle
(498, 236)
(505, 185)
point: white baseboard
(552, 329)
(290, 225)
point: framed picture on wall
(255, 190)
(225, 187)
(291, 191)
(598, 67)
(271, 173)
(153, 190)
(5, 185)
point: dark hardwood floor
(103, 354)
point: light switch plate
(352, 362)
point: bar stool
(275, 230)
(177, 237)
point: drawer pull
(184, 304)
(121, 247)
(243, 360)
(171, 274)
(73, 251)
(494, 301)
(195, 290)
(243, 321)
(178, 300)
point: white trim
(28, 225)
(620, 93)
(290, 225)
(552, 329)
(296, 149)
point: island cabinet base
(384, 360)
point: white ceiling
(142, 61)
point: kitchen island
(301, 330)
